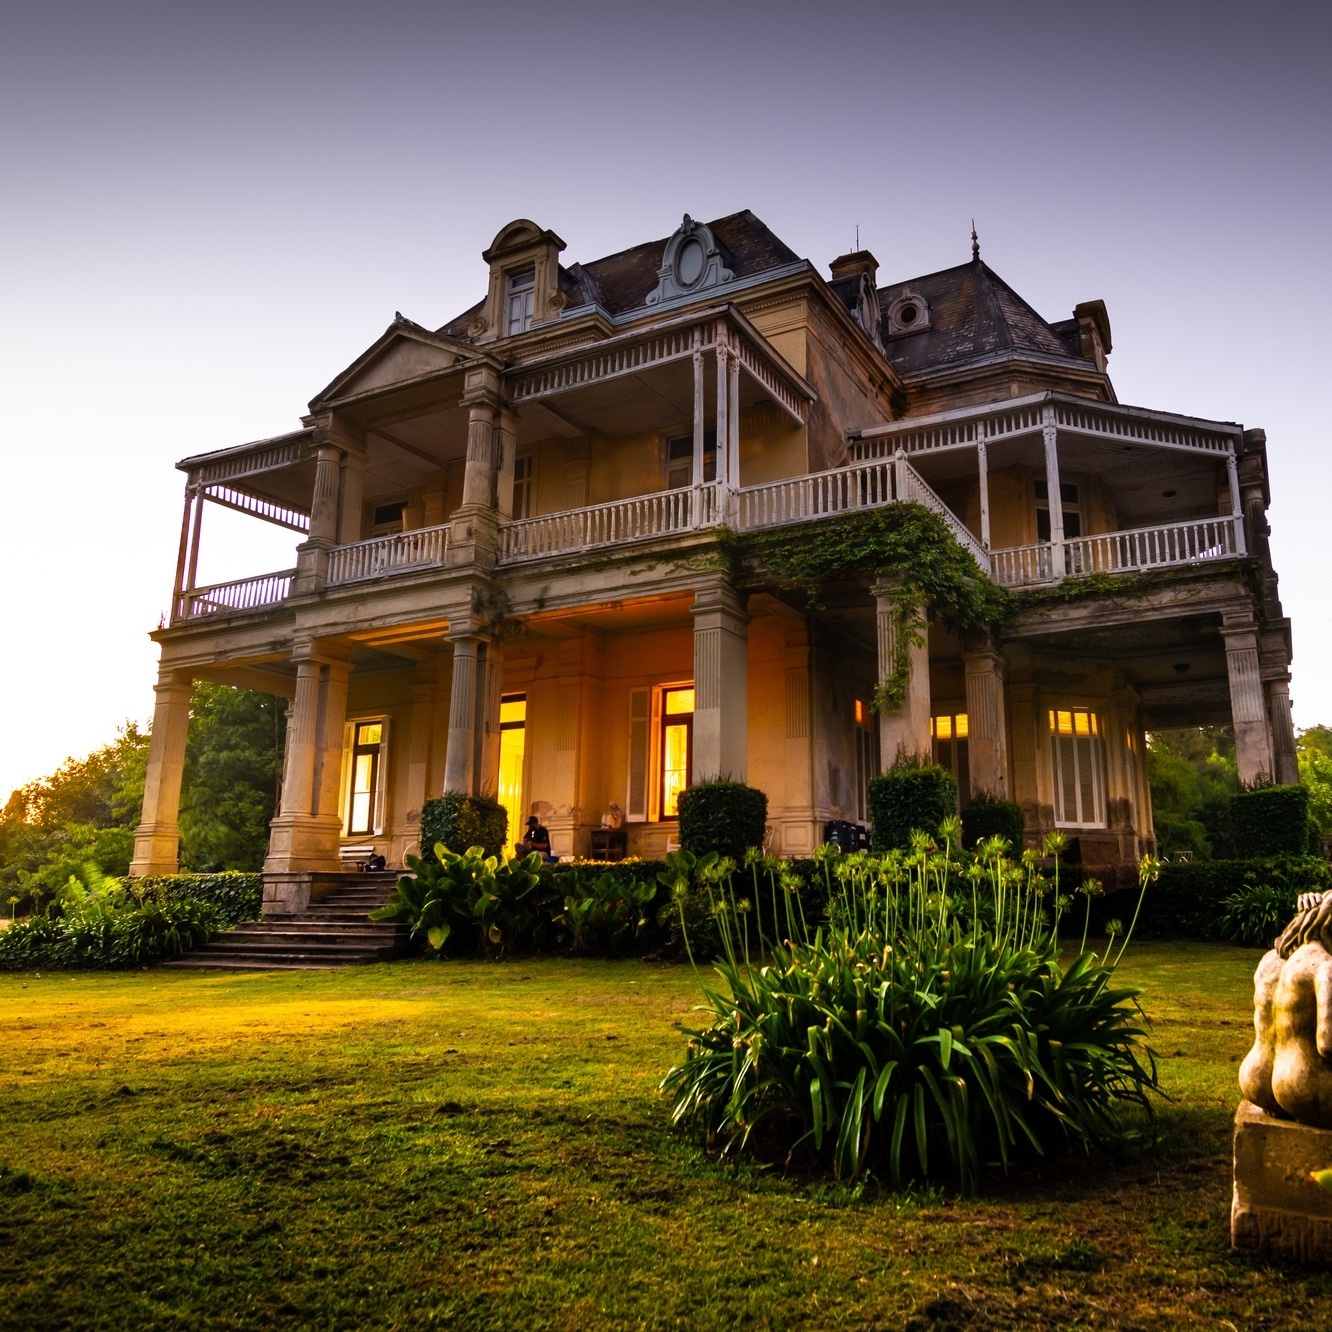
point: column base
(1277, 1210)
(303, 843)
(156, 849)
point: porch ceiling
(408, 452)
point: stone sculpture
(1288, 1072)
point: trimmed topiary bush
(462, 822)
(985, 818)
(1270, 821)
(906, 799)
(721, 816)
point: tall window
(1068, 492)
(522, 486)
(519, 293)
(513, 746)
(948, 741)
(677, 734)
(367, 743)
(680, 460)
(1079, 768)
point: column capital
(720, 597)
(481, 387)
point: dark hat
(532, 821)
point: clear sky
(208, 211)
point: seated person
(535, 839)
(375, 863)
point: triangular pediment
(406, 352)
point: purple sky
(206, 215)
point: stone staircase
(334, 932)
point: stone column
(472, 534)
(306, 831)
(157, 838)
(1054, 495)
(470, 729)
(987, 740)
(983, 476)
(721, 685)
(352, 481)
(312, 554)
(490, 686)
(906, 731)
(1248, 704)
(1286, 765)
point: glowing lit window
(513, 747)
(366, 757)
(1078, 757)
(677, 734)
(948, 742)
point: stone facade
(508, 573)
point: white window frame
(947, 749)
(524, 484)
(519, 300)
(679, 470)
(1084, 749)
(378, 822)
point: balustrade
(242, 595)
(379, 556)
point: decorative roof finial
(975, 241)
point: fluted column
(472, 532)
(460, 758)
(157, 838)
(312, 553)
(305, 833)
(721, 685)
(1248, 704)
(905, 732)
(987, 741)
(1286, 763)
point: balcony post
(1054, 494)
(733, 424)
(983, 474)
(157, 838)
(905, 732)
(697, 472)
(987, 741)
(721, 684)
(1236, 502)
(1248, 703)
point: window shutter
(636, 798)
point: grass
(481, 1146)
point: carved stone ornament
(1288, 1073)
(477, 327)
(692, 263)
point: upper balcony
(1138, 490)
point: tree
(1313, 749)
(1193, 774)
(233, 775)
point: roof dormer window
(519, 293)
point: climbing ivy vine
(907, 545)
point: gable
(401, 355)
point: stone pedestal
(1278, 1210)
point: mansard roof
(621, 282)
(974, 315)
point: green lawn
(481, 1146)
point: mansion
(506, 572)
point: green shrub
(909, 799)
(1257, 913)
(1270, 821)
(899, 1040)
(463, 821)
(237, 896)
(109, 925)
(721, 816)
(1190, 901)
(985, 818)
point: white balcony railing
(398, 553)
(243, 595)
(1169, 545)
(800, 498)
(639, 519)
